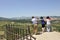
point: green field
(2, 23)
(55, 26)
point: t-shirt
(34, 21)
(48, 21)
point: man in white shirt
(35, 24)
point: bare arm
(53, 19)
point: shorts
(43, 25)
(34, 26)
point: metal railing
(16, 33)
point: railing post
(23, 34)
(18, 33)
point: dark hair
(41, 17)
(47, 17)
(32, 16)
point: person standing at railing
(43, 23)
(48, 24)
(35, 24)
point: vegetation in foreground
(55, 26)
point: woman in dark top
(43, 23)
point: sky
(28, 8)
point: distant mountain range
(2, 18)
(18, 18)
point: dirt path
(48, 36)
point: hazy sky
(18, 8)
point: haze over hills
(18, 18)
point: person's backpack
(43, 22)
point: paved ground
(48, 36)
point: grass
(55, 26)
(1, 32)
